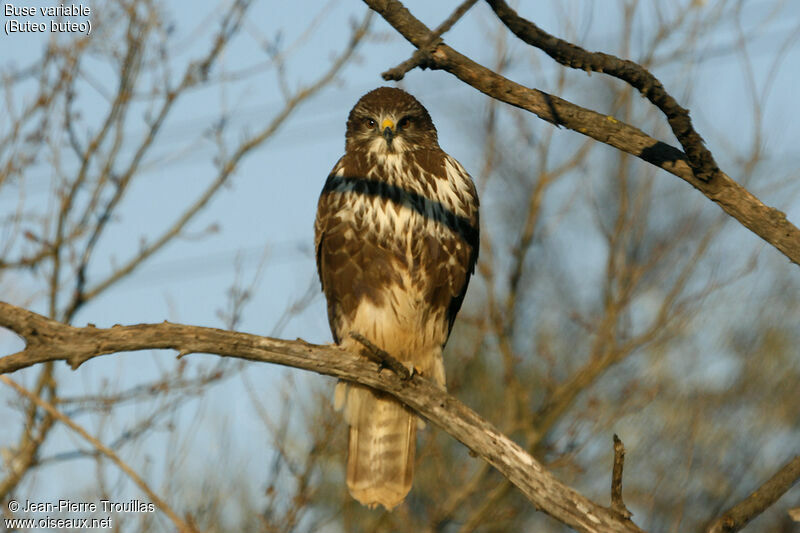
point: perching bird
(396, 238)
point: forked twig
(421, 55)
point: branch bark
(761, 499)
(49, 340)
(768, 223)
(570, 55)
(617, 503)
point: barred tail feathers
(380, 462)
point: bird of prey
(396, 239)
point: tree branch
(617, 504)
(762, 498)
(570, 55)
(420, 56)
(49, 340)
(180, 524)
(768, 223)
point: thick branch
(768, 223)
(568, 54)
(761, 499)
(48, 340)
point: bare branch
(768, 223)
(762, 498)
(180, 524)
(420, 56)
(25, 455)
(81, 294)
(49, 340)
(568, 54)
(617, 504)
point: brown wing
(451, 254)
(465, 249)
(352, 261)
(331, 248)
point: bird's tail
(380, 462)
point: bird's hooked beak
(387, 127)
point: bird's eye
(405, 121)
(370, 123)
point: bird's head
(389, 121)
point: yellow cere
(387, 123)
